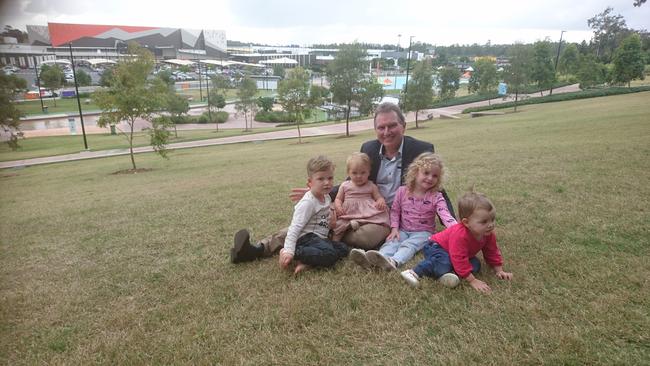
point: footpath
(333, 129)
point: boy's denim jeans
(436, 262)
(314, 251)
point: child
(454, 249)
(306, 240)
(412, 215)
(358, 200)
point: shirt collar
(399, 151)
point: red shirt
(461, 245)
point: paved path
(333, 129)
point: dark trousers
(314, 251)
(436, 262)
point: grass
(133, 269)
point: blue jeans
(315, 251)
(405, 247)
(436, 262)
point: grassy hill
(133, 269)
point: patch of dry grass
(133, 268)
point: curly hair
(357, 158)
(425, 160)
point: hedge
(590, 93)
(218, 117)
(274, 116)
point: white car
(10, 69)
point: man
(390, 155)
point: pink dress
(359, 205)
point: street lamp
(76, 88)
(408, 66)
(557, 58)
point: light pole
(408, 66)
(38, 84)
(76, 88)
(557, 58)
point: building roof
(280, 61)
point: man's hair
(358, 158)
(319, 163)
(425, 160)
(471, 201)
(387, 107)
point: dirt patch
(132, 171)
(9, 175)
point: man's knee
(367, 237)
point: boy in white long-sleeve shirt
(307, 240)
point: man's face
(389, 130)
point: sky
(301, 22)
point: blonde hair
(471, 201)
(319, 163)
(425, 160)
(357, 158)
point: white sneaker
(449, 280)
(411, 278)
(358, 256)
(379, 260)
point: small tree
(265, 103)
(51, 78)
(542, 71)
(484, 78)
(246, 103)
(293, 95)
(369, 93)
(278, 70)
(345, 75)
(9, 114)
(177, 106)
(449, 79)
(216, 102)
(420, 89)
(132, 96)
(629, 61)
(516, 74)
(590, 72)
(83, 79)
(569, 60)
(108, 77)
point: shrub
(274, 116)
(218, 117)
(590, 93)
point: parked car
(10, 69)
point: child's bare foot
(300, 267)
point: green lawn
(101, 268)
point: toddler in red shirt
(451, 253)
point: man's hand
(339, 210)
(503, 275)
(480, 286)
(380, 204)
(296, 194)
(285, 258)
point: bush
(218, 117)
(274, 116)
(590, 93)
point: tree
(345, 74)
(9, 114)
(107, 77)
(83, 79)
(608, 29)
(293, 95)
(516, 74)
(542, 71)
(132, 96)
(265, 103)
(51, 78)
(420, 89)
(590, 72)
(449, 79)
(317, 95)
(369, 93)
(278, 70)
(569, 60)
(639, 2)
(484, 78)
(177, 106)
(628, 60)
(246, 103)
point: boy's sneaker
(411, 278)
(379, 260)
(449, 280)
(358, 256)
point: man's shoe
(449, 280)
(358, 256)
(379, 260)
(242, 250)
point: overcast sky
(303, 22)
